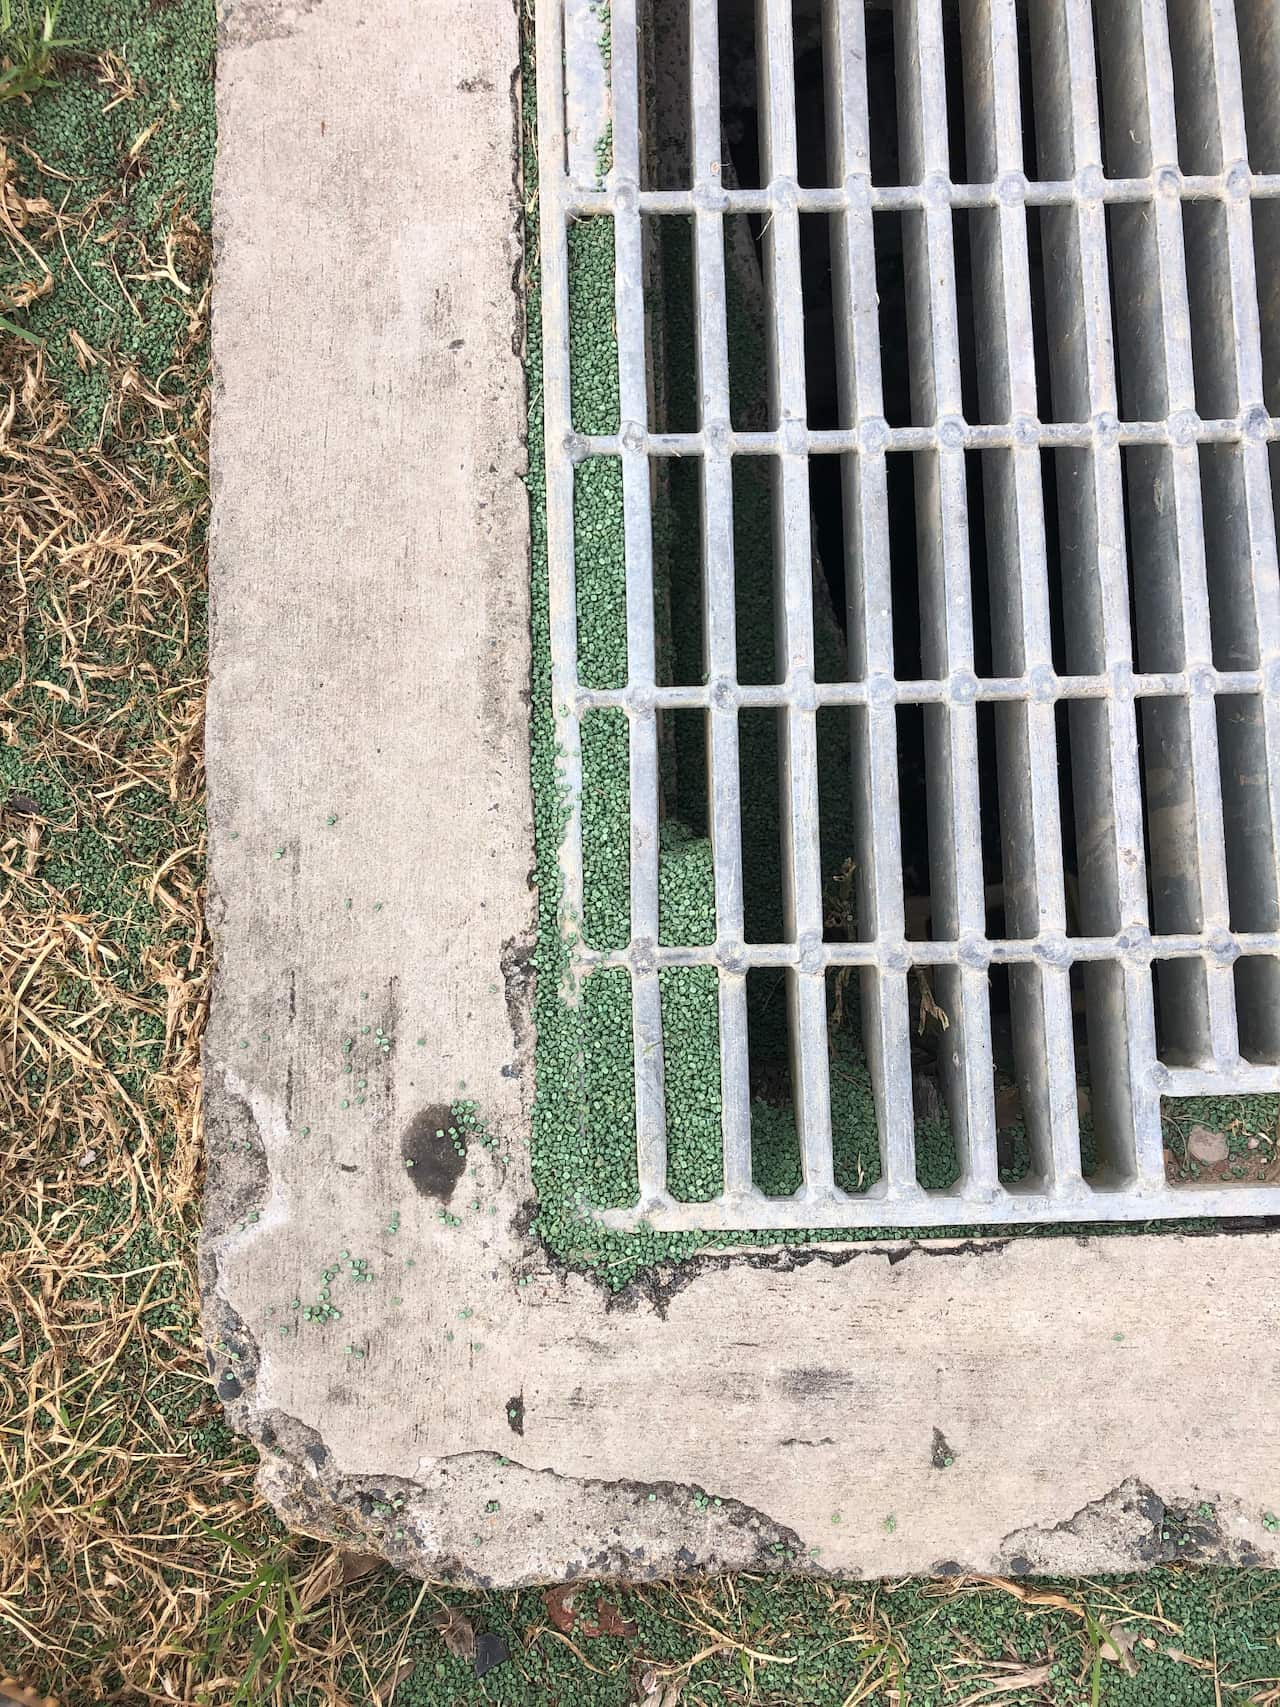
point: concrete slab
(474, 1411)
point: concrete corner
(417, 1374)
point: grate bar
(957, 891)
(1164, 448)
(1014, 188)
(1131, 947)
(1112, 872)
(1237, 499)
(1171, 594)
(869, 604)
(962, 688)
(955, 1210)
(646, 1003)
(1026, 743)
(718, 594)
(793, 552)
(875, 436)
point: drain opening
(952, 509)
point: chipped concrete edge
(629, 1530)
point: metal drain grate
(1152, 216)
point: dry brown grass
(127, 1514)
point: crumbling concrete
(1013, 1406)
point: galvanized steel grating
(1156, 173)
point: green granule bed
(584, 1119)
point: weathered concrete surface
(1010, 1406)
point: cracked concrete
(474, 1411)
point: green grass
(792, 1644)
(30, 39)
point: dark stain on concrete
(814, 1383)
(243, 23)
(515, 1413)
(437, 1166)
(516, 961)
(940, 1454)
(518, 311)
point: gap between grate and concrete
(474, 1409)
